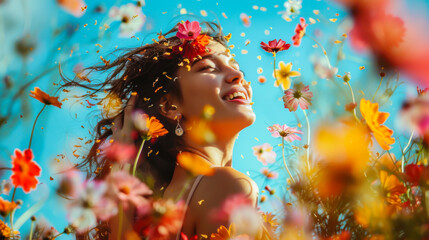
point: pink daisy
(288, 133)
(128, 189)
(298, 95)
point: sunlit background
(36, 37)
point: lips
(238, 95)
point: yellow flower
(195, 164)
(374, 119)
(284, 74)
(223, 233)
(5, 231)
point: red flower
(413, 173)
(189, 30)
(191, 49)
(25, 170)
(184, 237)
(299, 32)
(275, 46)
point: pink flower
(189, 30)
(298, 95)
(90, 204)
(264, 153)
(269, 174)
(288, 133)
(128, 189)
(299, 32)
(275, 46)
(230, 205)
(120, 152)
(162, 220)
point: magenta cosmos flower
(189, 30)
(298, 95)
(275, 46)
(287, 133)
(264, 153)
(120, 152)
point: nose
(235, 76)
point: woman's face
(216, 80)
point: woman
(173, 79)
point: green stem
(137, 158)
(323, 49)
(308, 139)
(121, 216)
(284, 160)
(34, 125)
(31, 230)
(275, 75)
(377, 89)
(405, 149)
(354, 101)
(12, 213)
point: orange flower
(25, 170)
(374, 119)
(223, 233)
(5, 231)
(195, 164)
(44, 97)
(393, 188)
(148, 127)
(6, 207)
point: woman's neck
(218, 154)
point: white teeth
(234, 95)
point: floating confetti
(337, 41)
(333, 19)
(316, 12)
(224, 15)
(244, 51)
(242, 34)
(262, 79)
(259, 70)
(203, 13)
(361, 68)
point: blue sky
(63, 127)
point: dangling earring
(179, 129)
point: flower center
(125, 19)
(190, 34)
(126, 190)
(297, 94)
(283, 133)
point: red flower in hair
(275, 46)
(25, 170)
(191, 49)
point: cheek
(200, 91)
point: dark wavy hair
(150, 71)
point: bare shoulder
(227, 181)
(213, 190)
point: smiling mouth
(236, 97)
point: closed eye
(206, 68)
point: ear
(169, 107)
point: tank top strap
(188, 201)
